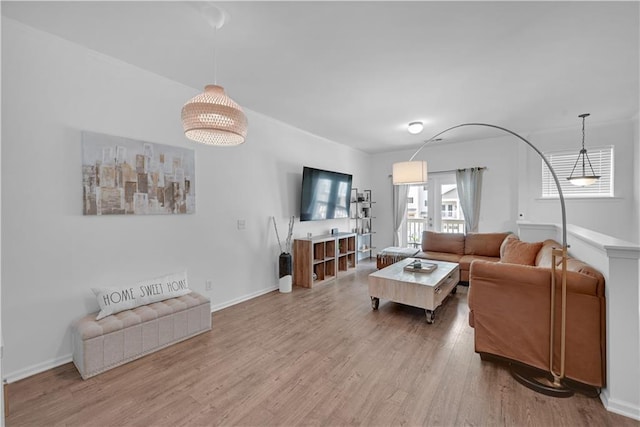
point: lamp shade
(213, 118)
(583, 181)
(412, 172)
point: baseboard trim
(38, 368)
(59, 361)
(619, 407)
(612, 405)
(243, 298)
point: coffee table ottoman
(417, 289)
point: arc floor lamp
(415, 172)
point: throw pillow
(115, 300)
(504, 243)
(518, 252)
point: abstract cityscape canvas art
(122, 176)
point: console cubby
(346, 252)
(323, 258)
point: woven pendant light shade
(213, 118)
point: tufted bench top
(88, 327)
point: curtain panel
(400, 193)
(469, 183)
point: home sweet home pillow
(115, 300)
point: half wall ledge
(619, 262)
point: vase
(285, 267)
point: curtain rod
(452, 170)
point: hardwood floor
(316, 356)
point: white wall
(52, 255)
(1, 334)
(499, 189)
(512, 183)
(616, 217)
(618, 261)
(636, 177)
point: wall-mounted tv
(325, 194)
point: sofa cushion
(584, 268)
(438, 256)
(466, 260)
(484, 244)
(578, 283)
(519, 252)
(543, 259)
(443, 242)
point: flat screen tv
(325, 194)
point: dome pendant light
(583, 180)
(212, 117)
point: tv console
(320, 259)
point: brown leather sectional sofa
(510, 313)
(509, 302)
(461, 248)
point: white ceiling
(358, 72)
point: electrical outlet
(241, 224)
(207, 285)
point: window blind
(563, 161)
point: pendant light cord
(583, 117)
(583, 151)
(215, 61)
(583, 154)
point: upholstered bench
(99, 345)
(393, 254)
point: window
(562, 162)
(447, 210)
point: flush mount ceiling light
(584, 179)
(415, 128)
(212, 117)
